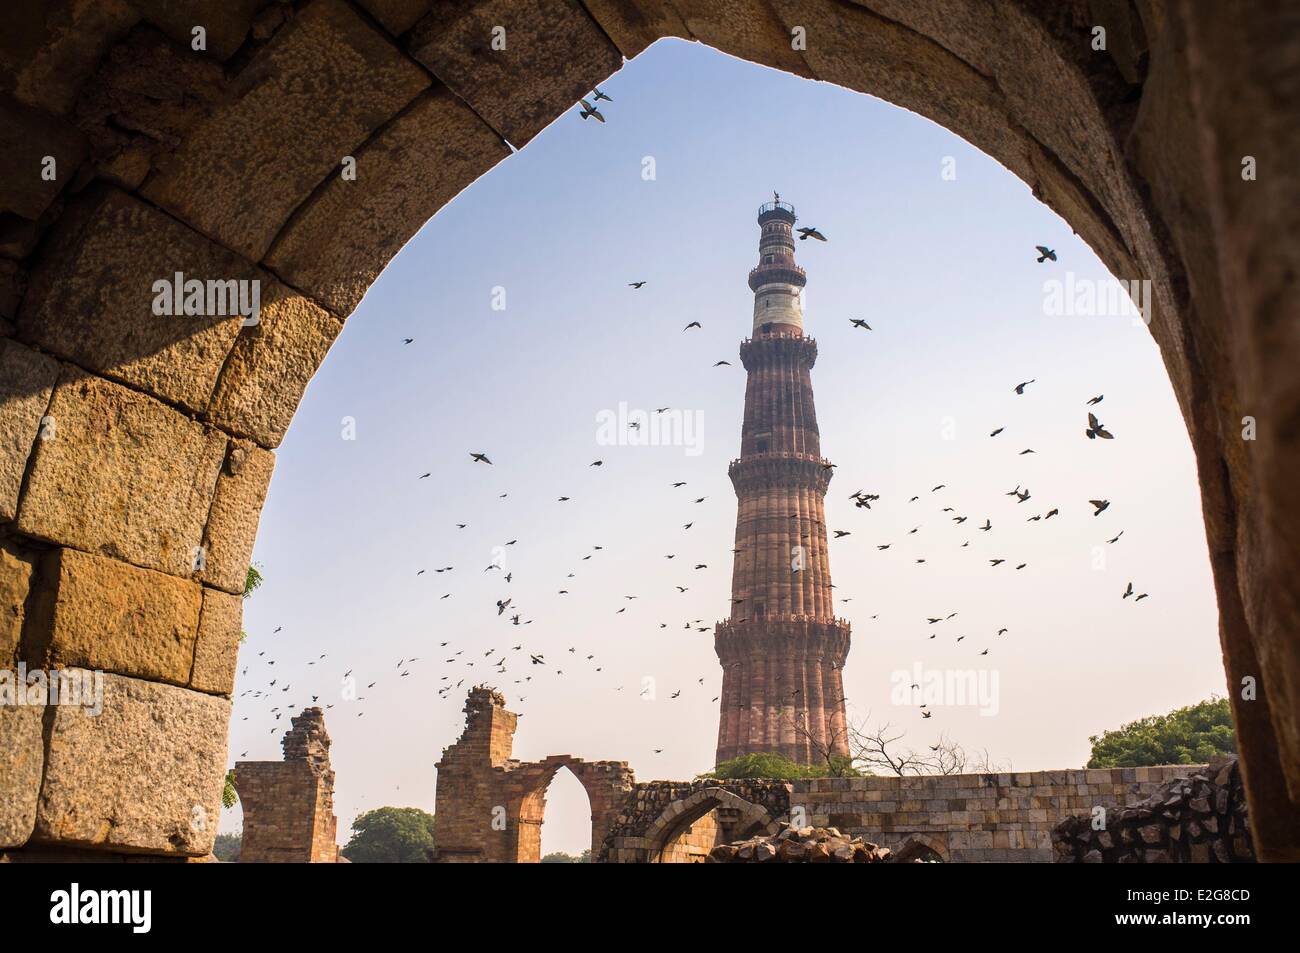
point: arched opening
(688, 829)
(1097, 137)
(920, 849)
(566, 820)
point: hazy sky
(945, 273)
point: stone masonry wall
(289, 805)
(972, 817)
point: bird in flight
(998, 431)
(589, 110)
(480, 457)
(1020, 388)
(408, 340)
(1115, 538)
(859, 323)
(1096, 429)
(635, 284)
(805, 233)
(693, 324)
(1129, 591)
(1101, 505)
(1045, 253)
(598, 95)
(722, 364)
(1096, 400)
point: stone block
(27, 137)
(51, 48)
(270, 365)
(396, 16)
(634, 26)
(145, 775)
(225, 22)
(22, 758)
(554, 43)
(245, 168)
(216, 652)
(26, 383)
(91, 298)
(16, 568)
(146, 498)
(749, 29)
(98, 613)
(236, 509)
(340, 241)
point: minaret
(782, 649)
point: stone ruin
(1198, 819)
(490, 808)
(802, 845)
(289, 805)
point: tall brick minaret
(782, 649)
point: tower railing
(774, 206)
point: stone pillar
(289, 805)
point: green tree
(391, 835)
(227, 847)
(1191, 735)
(228, 794)
(560, 857)
(252, 580)
(768, 764)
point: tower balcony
(786, 273)
(770, 210)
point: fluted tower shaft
(782, 649)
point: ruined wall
(289, 805)
(489, 806)
(972, 817)
(1198, 819)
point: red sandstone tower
(782, 649)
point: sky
(942, 267)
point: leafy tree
(765, 764)
(227, 847)
(391, 835)
(1191, 735)
(228, 794)
(560, 857)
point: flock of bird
(518, 663)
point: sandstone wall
(1005, 817)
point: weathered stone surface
(338, 243)
(225, 22)
(22, 756)
(270, 365)
(50, 48)
(246, 168)
(216, 652)
(749, 29)
(553, 42)
(236, 508)
(147, 495)
(26, 383)
(144, 775)
(16, 568)
(396, 16)
(91, 299)
(27, 137)
(635, 25)
(98, 613)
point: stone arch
(141, 449)
(921, 847)
(606, 784)
(749, 818)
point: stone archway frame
(606, 784)
(166, 430)
(690, 809)
(915, 843)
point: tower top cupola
(777, 282)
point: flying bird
(635, 284)
(589, 110)
(598, 96)
(1096, 400)
(693, 324)
(860, 323)
(1097, 429)
(479, 458)
(805, 233)
(1101, 505)
(1020, 388)
(1045, 253)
